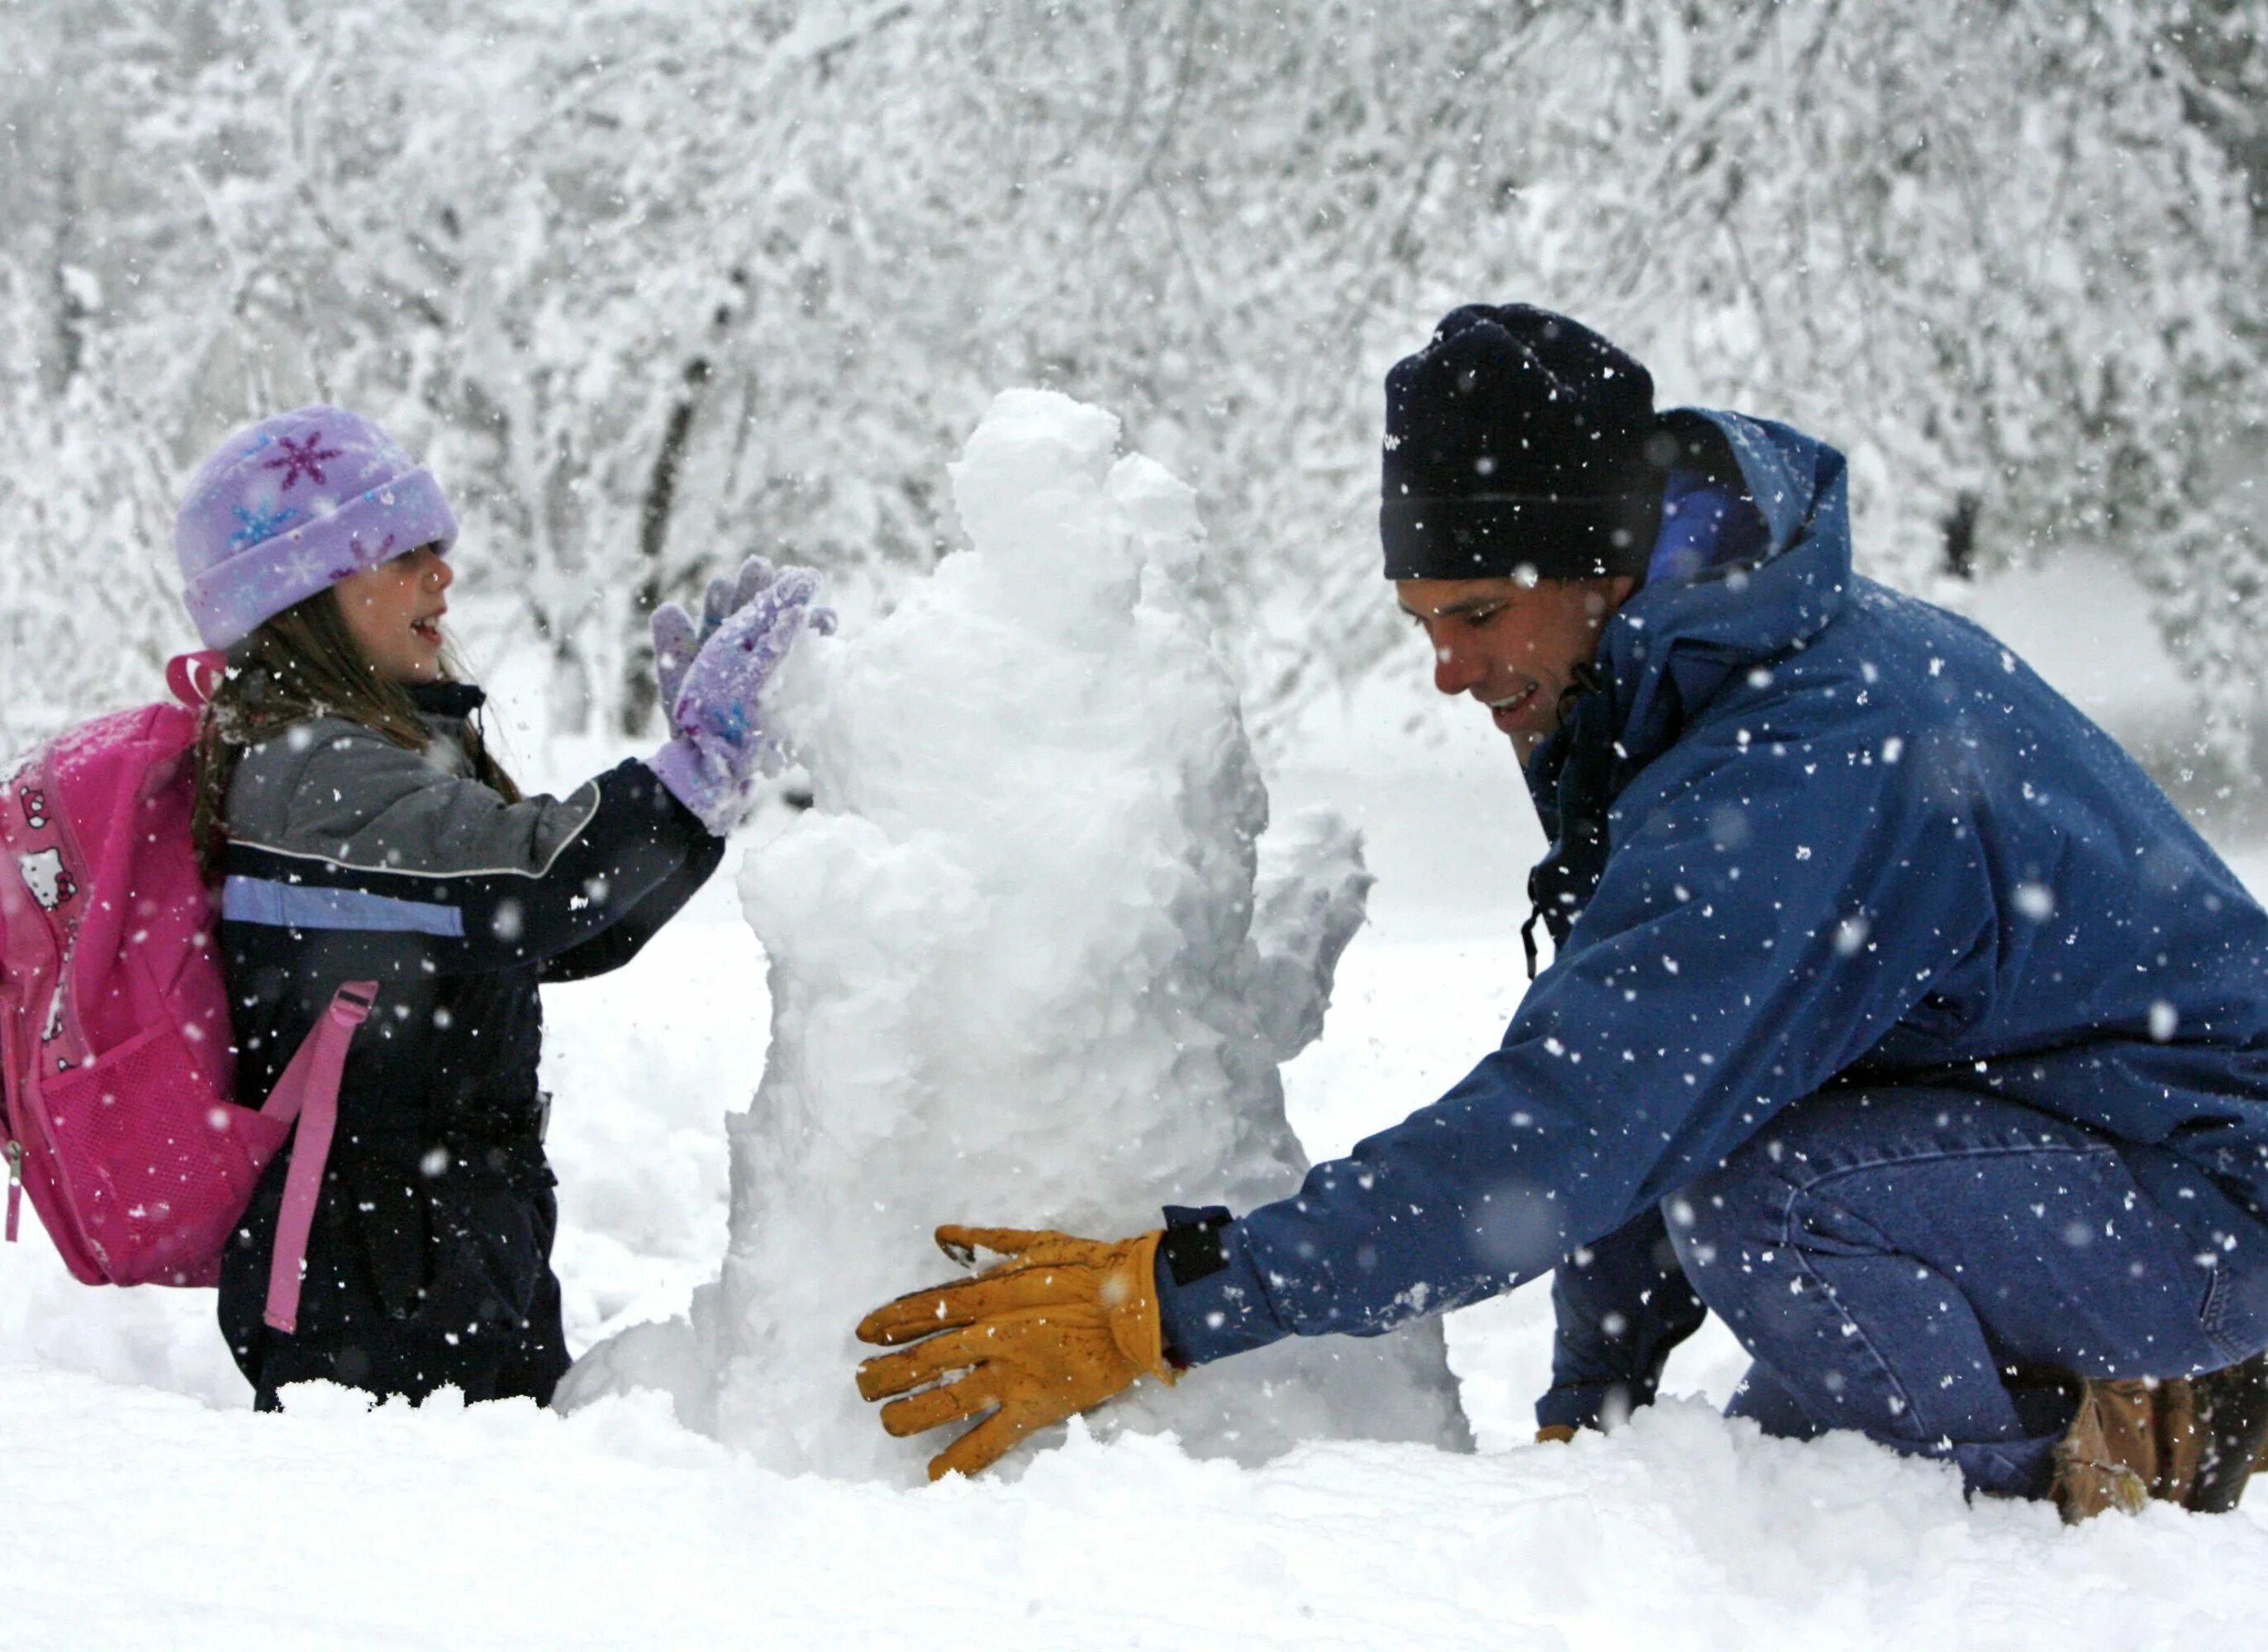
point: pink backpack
(115, 1034)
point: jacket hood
(1673, 645)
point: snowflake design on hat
(303, 457)
(311, 570)
(369, 555)
(255, 522)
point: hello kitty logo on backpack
(29, 798)
(114, 1032)
(41, 870)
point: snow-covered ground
(148, 1506)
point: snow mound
(1030, 966)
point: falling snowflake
(255, 522)
(2036, 901)
(304, 456)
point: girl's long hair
(301, 664)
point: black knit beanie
(1517, 441)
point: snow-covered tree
(658, 285)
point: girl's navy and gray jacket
(351, 858)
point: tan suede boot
(2190, 1441)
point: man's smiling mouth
(1510, 704)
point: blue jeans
(1933, 1267)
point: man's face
(1510, 645)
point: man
(1895, 1014)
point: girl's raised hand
(713, 704)
(678, 640)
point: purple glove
(678, 638)
(720, 743)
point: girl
(360, 830)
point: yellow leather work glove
(1064, 1323)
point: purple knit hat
(293, 504)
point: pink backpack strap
(309, 1092)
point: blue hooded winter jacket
(1838, 835)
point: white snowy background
(658, 282)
